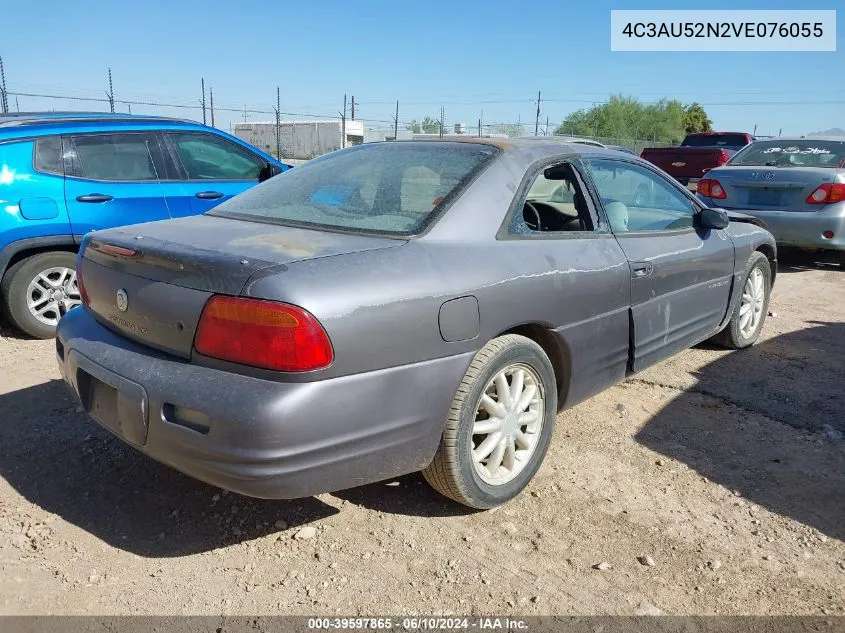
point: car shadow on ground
(794, 261)
(56, 457)
(768, 424)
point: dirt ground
(726, 470)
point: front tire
(499, 425)
(39, 290)
(750, 312)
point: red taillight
(80, 284)
(120, 251)
(263, 334)
(723, 157)
(711, 188)
(828, 193)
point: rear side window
(48, 155)
(116, 157)
(209, 157)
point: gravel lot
(713, 483)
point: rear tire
(485, 426)
(27, 288)
(754, 301)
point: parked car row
(795, 185)
(388, 308)
(65, 174)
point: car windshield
(806, 152)
(392, 187)
(715, 140)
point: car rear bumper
(253, 436)
(804, 229)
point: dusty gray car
(402, 306)
(796, 186)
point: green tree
(625, 119)
(696, 120)
(428, 125)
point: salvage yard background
(711, 483)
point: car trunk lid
(771, 188)
(150, 282)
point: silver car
(796, 186)
(402, 306)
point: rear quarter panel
(381, 308)
(27, 192)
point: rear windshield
(805, 152)
(716, 140)
(393, 187)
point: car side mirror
(709, 218)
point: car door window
(555, 203)
(209, 157)
(116, 157)
(638, 199)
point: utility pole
(442, 117)
(4, 99)
(353, 107)
(211, 94)
(546, 133)
(202, 82)
(343, 125)
(246, 116)
(278, 124)
(396, 123)
(111, 93)
(18, 106)
(779, 131)
(537, 119)
(754, 133)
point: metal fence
(289, 135)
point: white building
(301, 140)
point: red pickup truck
(697, 154)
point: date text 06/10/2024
(418, 624)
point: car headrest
(617, 214)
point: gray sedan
(402, 306)
(796, 186)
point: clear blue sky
(467, 55)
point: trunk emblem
(678, 164)
(762, 175)
(122, 300)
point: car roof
(34, 119)
(797, 139)
(718, 133)
(537, 146)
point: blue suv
(64, 174)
